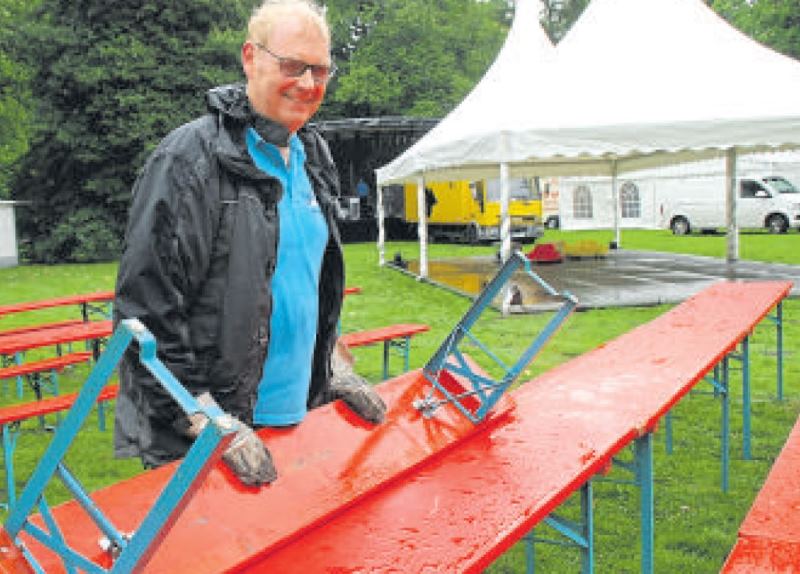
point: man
(233, 261)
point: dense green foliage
(110, 81)
(88, 87)
(413, 57)
(15, 99)
(774, 23)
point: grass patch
(695, 523)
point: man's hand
(353, 389)
(246, 455)
(249, 459)
(359, 396)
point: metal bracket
(484, 392)
(129, 551)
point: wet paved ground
(620, 279)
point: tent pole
(505, 220)
(615, 201)
(730, 199)
(381, 228)
(422, 228)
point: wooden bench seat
(34, 328)
(12, 416)
(43, 372)
(394, 336)
(769, 537)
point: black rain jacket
(200, 252)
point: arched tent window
(630, 200)
(582, 202)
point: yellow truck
(469, 211)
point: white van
(770, 202)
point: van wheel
(680, 226)
(777, 224)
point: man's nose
(306, 80)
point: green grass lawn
(695, 523)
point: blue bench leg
(587, 505)
(726, 422)
(9, 442)
(746, 402)
(386, 345)
(101, 415)
(530, 553)
(643, 448)
(20, 381)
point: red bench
(393, 336)
(769, 537)
(44, 371)
(11, 418)
(83, 300)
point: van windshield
(780, 184)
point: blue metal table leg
(643, 448)
(406, 352)
(668, 432)
(746, 402)
(587, 553)
(725, 430)
(779, 337)
(386, 345)
(530, 553)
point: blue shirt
(283, 390)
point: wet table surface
(436, 495)
(769, 537)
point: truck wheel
(471, 234)
(777, 224)
(680, 226)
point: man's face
(290, 101)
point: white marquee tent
(635, 84)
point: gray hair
(264, 16)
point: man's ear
(248, 57)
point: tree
(111, 79)
(774, 23)
(14, 93)
(411, 57)
(559, 15)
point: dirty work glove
(359, 396)
(246, 455)
(352, 388)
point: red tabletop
(769, 537)
(98, 297)
(439, 495)
(55, 336)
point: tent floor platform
(622, 278)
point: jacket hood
(231, 101)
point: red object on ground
(435, 495)
(361, 338)
(545, 253)
(99, 297)
(769, 537)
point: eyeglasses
(296, 68)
